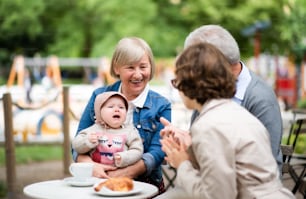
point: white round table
(58, 189)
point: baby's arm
(134, 150)
(93, 138)
(85, 141)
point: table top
(59, 189)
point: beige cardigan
(231, 157)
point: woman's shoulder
(157, 101)
(158, 96)
(111, 87)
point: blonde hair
(130, 50)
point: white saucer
(75, 182)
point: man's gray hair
(217, 36)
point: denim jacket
(146, 120)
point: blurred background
(267, 31)
(46, 44)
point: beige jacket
(231, 157)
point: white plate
(107, 192)
(75, 182)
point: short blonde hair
(130, 50)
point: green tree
(236, 15)
(20, 26)
(292, 30)
(91, 28)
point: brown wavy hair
(203, 73)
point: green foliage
(34, 153)
(300, 147)
(21, 19)
(2, 80)
(91, 28)
(301, 104)
(3, 189)
(295, 20)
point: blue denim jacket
(146, 120)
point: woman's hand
(99, 170)
(180, 136)
(176, 152)
(131, 171)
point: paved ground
(35, 172)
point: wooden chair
(302, 188)
(293, 167)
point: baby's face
(113, 112)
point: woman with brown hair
(227, 153)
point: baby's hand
(117, 159)
(93, 138)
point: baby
(109, 141)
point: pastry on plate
(122, 184)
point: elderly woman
(227, 153)
(133, 64)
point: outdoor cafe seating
(295, 164)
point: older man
(251, 91)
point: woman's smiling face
(134, 77)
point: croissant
(121, 184)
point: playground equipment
(37, 107)
(21, 73)
(17, 71)
(36, 111)
(53, 72)
(40, 123)
(103, 72)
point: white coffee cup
(81, 170)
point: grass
(3, 189)
(2, 81)
(26, 154)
